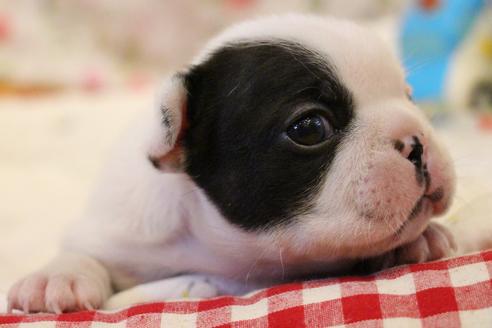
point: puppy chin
(395, 208)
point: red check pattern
(450, 293)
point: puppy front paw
(61, 292)
(436, 242)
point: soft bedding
(450, 293)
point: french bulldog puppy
(289, 148)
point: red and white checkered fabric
(450, 293)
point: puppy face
(272, 115)
(300, 130)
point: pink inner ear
(172, 160)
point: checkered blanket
(449, 293)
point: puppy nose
(412, 148)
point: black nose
(416, 153)
(412, 149)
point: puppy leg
(186, 286)
(179, 287)
(70, 282)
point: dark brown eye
(309, 130)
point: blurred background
(74, 73)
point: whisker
(281, 262)
(253, 266)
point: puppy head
(301, 129)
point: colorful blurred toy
(432, 31)
(470, 78)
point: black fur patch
(240, 101)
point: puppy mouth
(434, 198)
(427, 199)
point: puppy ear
(409, 90)
(168, 126)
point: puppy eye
(310, 130)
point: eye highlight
(310, 130)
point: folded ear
(409, 90)
(168, 126)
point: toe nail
(88, 306)
(56, 309)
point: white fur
(143, 225)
